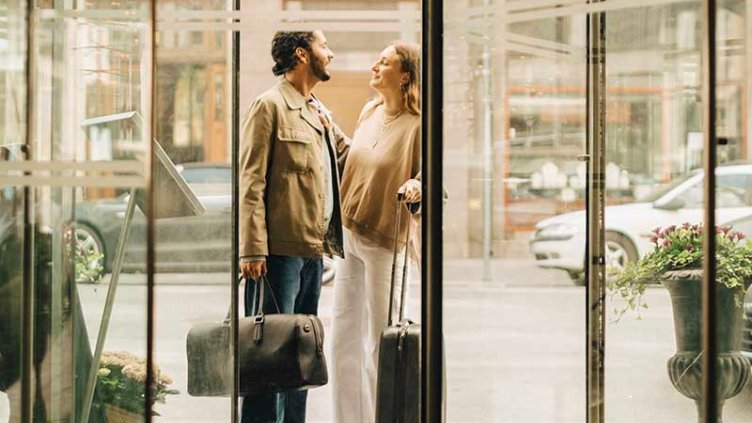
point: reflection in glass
(193, 253)
(654, 137)
(84, 67)
(515, 122)
(12, 134)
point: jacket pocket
(295, 149)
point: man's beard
(319, 69)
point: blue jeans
(296, 283)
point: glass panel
(357, 31)
(194, 245)
(514, 126)
(12, 135)
(655, 195)
(653, 141)
(733, 208)
(87, 154)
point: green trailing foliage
(88, 264)
(678, 248)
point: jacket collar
(296, 101)
(293, 97)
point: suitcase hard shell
(398, 386)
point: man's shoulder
(271, 97)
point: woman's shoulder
(368, 109)
(413, 122)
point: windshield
(665, 189)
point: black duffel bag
(276, 352)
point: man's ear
(302, 55)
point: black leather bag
(276, 352)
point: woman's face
(386, 73)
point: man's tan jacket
(282, 177)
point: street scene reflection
(515, 125)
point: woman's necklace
(383, 121)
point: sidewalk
(515, 347)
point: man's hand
(253, 269)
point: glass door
(74, 163)
(515, 125)
(574, 146)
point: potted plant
(88, 265)
(120, 383)
(676, 262)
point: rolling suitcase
(398, 381)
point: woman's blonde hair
(409, 57)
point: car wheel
(330, 267)
(620, 251)
(90, 254)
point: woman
(384, 159)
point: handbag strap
(258, 318)
(392, 284)
(259, 306)
(258, 294)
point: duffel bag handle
(258, 318)
(258, 294)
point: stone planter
(684, 368)
(118, 415)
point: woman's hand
(411, 190)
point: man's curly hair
(284, 44)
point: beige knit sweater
(382, 157)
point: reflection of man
(289, 195)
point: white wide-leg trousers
(361, 302)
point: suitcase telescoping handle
(390, 321)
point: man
(290, 156)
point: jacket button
(307, 328)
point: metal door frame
(432, 354)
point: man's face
(321, 56)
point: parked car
(559, 242)
(183, 244)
